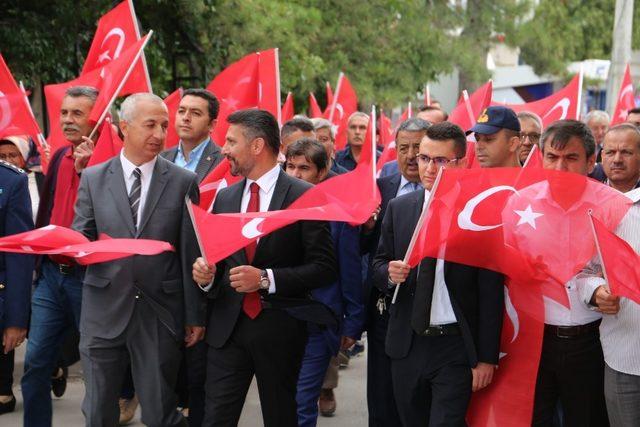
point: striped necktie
(134, 196)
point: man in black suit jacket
(382, 407)
(197, 115)
(252, 328)
(444, 329)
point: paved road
(351, 398)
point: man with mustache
(382, 407)
(356, 132)
(497, 133)
(621, 157)
(55, 304)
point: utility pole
(620, 51)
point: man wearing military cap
(15, 275)
(497, 134)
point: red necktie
(251, 304)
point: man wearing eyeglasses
(444, 328)
(530, 131)
(497, 133)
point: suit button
(137, 296)
(1, 286)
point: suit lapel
(208, 158)
(118, 190)
(158, 182)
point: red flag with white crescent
(345, 103)
(626, 99)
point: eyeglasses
(9, 156)
(439, 161)
(533, 136)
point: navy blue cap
(494, 118)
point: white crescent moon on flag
(627, 89)
(340, 110)
(564, 104)
(250, 229)
(5, 111)
(117, 31)
(464, 218)
(513, 317)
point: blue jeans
(55, 307)
(316, 359)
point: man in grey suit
(197, 115)
(138, 309)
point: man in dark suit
(444, 329)
(139, 308)
(382, 408)
(15, 275)
(307, 159)
(197, 115)
(251, 327)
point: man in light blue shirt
(195, 118)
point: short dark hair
(414, 124)
(433, 108)
(633, 111)
(311, 149)
(212, 102)
(258, 124)
(298, 123)
(445, 131)
(561, 131)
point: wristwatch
(264, 280)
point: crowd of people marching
(183, 338)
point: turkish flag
(172, 101)
(237, 88)
(108, 144)
(563, 104)
(534, 159)
(57, 240)
(508, 400)
(287, 109)
(620, 262)
(523, 222)
(16, 117)
(345, 103)
(108, 80)
(219, 178)
(626, 100)
(118, 30)
(387, 140)
(469, 108)
(269, 82)
(350, 197)
(314, 109)
(329, 94)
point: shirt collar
(267, 181)
(197, 151)
(146, 168)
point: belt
(571, 331)
(441, 330)
(66, 269)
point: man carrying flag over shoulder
(259, 294)
(444, 329)
(620, 316)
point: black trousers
(6, 372)
(271, 347)
(432, 385)
(571, 371)
(380, 402)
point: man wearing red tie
(259, 295)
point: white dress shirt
(267, 184)
(146, 173)
(441, 308)
(619, 333)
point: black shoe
(8, 406)
(59, 384)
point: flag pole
(530, 155)
(410, 110)
(467, 104)
(578, 107)
(121, 85)
(278, 94)
(144, 59)
(427, 95)
(416, 231)
(335, 96)
(373, 148)
(597, 241)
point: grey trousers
(155, 358)
(622, 393)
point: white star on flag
(528, 216)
